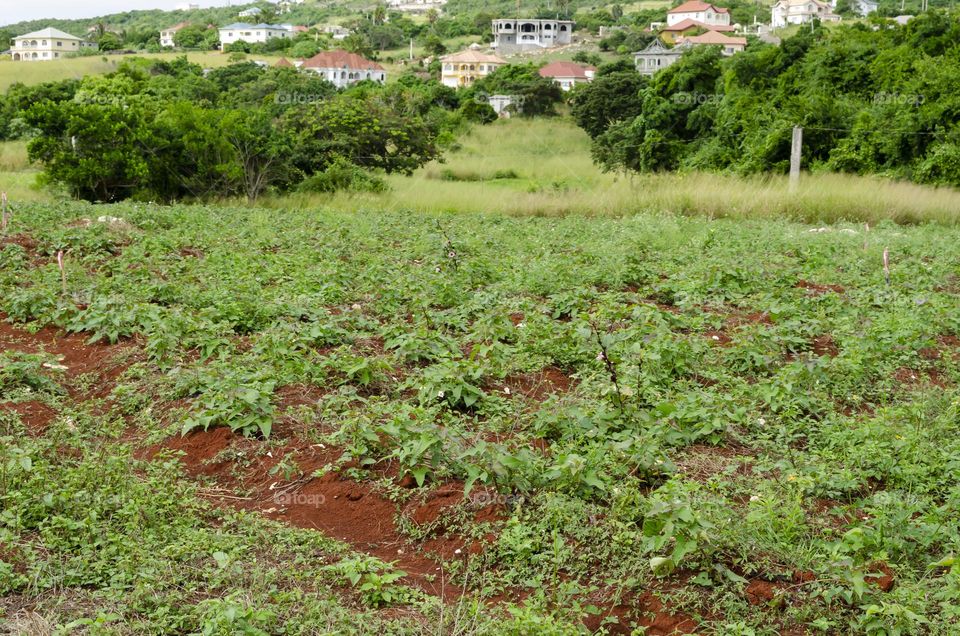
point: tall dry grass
(543, 167)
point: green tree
(190, 37)
(609, 98)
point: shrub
(341, 175)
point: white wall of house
(342, 77)
(46, 49)
(791, 12)
(521, 35)
(252, 34)
(166, 38)
(709, 16)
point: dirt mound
(36, 416)
(539, 385)
(646, 611)
(816, 289)
(79, 358)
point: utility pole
(796, 150)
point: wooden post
(796, 146)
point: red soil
(646, 611)
(824, 345)
(539, 385)
(718, 338)
(22, 240)
(913, 377)
(343, 509)
(881, 576)
(816, 289)
(98, 360)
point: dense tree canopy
(882, 100)
(162, 130)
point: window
(59, 43)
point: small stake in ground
(866, 232)
(3, 211)
(886, 265)
(63, 272)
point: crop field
(227, 420)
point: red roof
(687, 24)
(694, 6)
(341, 59)
(566, 69)
(178, 26)
(283, 62)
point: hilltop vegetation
(158, 130)
(871, 101)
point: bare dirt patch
(105, 362)
(824, 346)
(539, 385)
(817, 289)
(36, 416)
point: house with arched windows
(46, 45)
(464, 68)
(514, 35)
(341, 68)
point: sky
(12, 11)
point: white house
(286, 6)
(513, 35)
(702, 12)
(416, 6)
(786, 12)
(464, 68)
(252, 12)
(568, 74)
(503, 105)
(861, 7)
(166, 36)
(253, 33)
(47, 44)
(343, 69)
(335, 31)
(656, 56)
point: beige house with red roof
(698, 11)
(671, 33)
(341, 68)
(730, 45)
(568, 74)
(464, 68)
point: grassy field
(78, 67)
(543, 167)
(318, 421)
